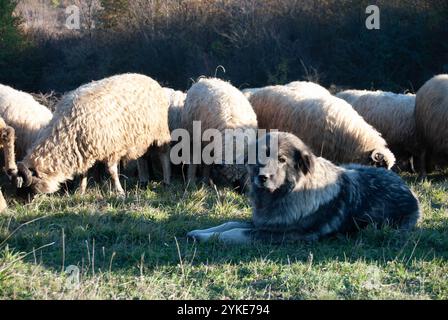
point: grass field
(135, 248)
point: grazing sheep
(329, 125)
(28, 118)
(431, 116)
(105, 121)
(218, 105)
(392, 115)
(298, 196)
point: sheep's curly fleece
(20, 111)
(393, 115)
(219, 105)
(107, 120)
(329, 125)
(431, 117)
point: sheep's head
(30, 178)
(383, 158)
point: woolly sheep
(28, 118)
(218, 105)
(329, 125)
(107, 120)
(176, 103)
(431, 116)
(392, 115)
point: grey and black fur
(298, 196)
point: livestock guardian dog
(298, 196)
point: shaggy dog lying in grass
(298, 196)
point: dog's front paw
(198, 236)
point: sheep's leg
(7, 141)
(3, 204)
(233, 236)
(412, 164)
(83, 183)
(164, 156)
(143, 171)
(113, 171)
(424, 159)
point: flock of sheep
(121, 117)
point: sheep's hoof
(143, 184)
(17, 181)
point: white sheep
(393, 115)
(329, 125)
(431, 116)
(219, 105)
(119, 117)
(28, 118)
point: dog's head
(282, 161)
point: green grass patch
(135, 248)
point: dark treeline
(257, 42)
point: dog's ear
(303, 161)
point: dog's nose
(262, 178)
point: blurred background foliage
(258, 42)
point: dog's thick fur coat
(298, 196)
(218, 105)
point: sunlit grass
(136, 248)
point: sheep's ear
(303, 161)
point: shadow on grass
(149, 228)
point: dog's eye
(282, 159)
